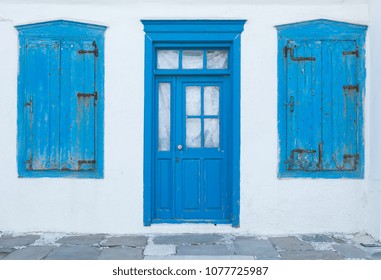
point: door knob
(179, 147)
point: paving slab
(74, 253)
(30, 253)
(81, 239)
(131, 241)
(121, 253)
(17, 241)
(199, 257)
(260, 249)
(159, 250)
(211, 250)
(188, 239)
(290, 243)
(350, 251)
(310, 255)
(376, 256)
(317, 238)
(6, 250)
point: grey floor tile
(211, 250)
(199, 257)
(290, 243)
(310, 255)
(260, 249)
(317, 238)
(350, 251)
(74, 253)
(90, 239)
(121, 254)
(30, 253)
(188, 239)
(17, 241)
(128, 240)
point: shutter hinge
(95, 51)
(28, 164)
(290, 104)
(83, 94)
(356, 53)
(352, 87)
(86, 162)
(29, 104)
(293, 58)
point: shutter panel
(303, 105)
(340, 106)
(41, 105)
(78, 105)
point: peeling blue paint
(321, 89)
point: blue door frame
(195, 34)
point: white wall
(115, 204)
(374, 212)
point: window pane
(193, 59)
(217, 59)
(211, 100)
(211, 133)
(193, 133)
(193, 100)
(167, 59)
(164, 116)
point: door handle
(179, 147)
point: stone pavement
(56, 246)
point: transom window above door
(192, 59)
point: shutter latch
(293, 58)
(95, 51)
(351, 87)
(356, 53)
(290, 104)
(83, 94)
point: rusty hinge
(95, 51)
(356, 53)
(290, 104)
(28, 164)
(293, 58)
(84, 94)
(320, 162)
(86, 162)
(29, 104)
(351, 87)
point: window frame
(320, 29)
(61, 30)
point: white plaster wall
(374, 212)
(115, 204)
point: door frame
(190, 32)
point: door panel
(193, 184)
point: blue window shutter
(78, 101)
(60, 100)
(41, 105)
(303, 104)
(340, 110)
(321, 72)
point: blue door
(192, 153)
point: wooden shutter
(41, 106)
(303, 104)
(78, 102)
